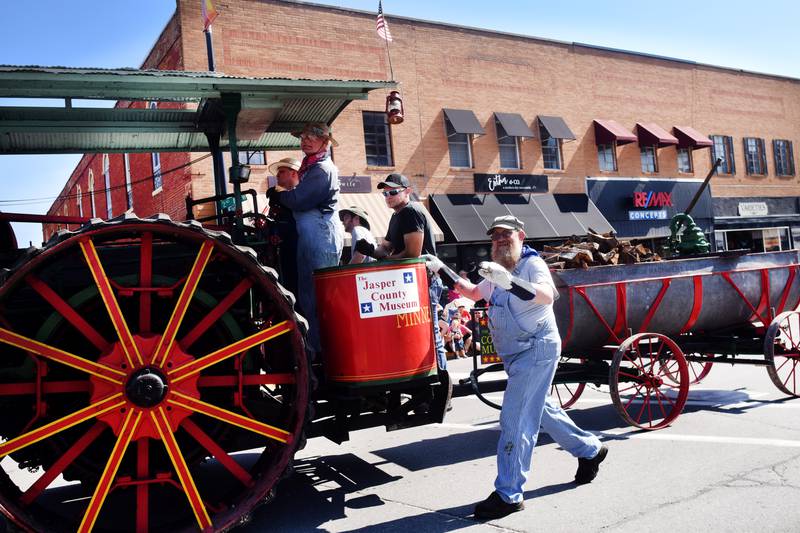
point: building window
(784, 157)
(649, 159)
(508, 146)
(755, 158)
(551, 149)
(723, 148)
(377, 139)
(80, 202)
(91, 192)
(756, 239)
(607, 157)
(685, 160)
(252, 158)
(158, 180)
(107, 181)
(460, 146)
(128, 185)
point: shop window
(756, 240)
(508, 147)
(723, 148)
(649, 159)
(551, 150)
(755, 158)
(685, 160)
(128, 184)
(158, 180)
(607, 157)
(107, 182)
(377, 139)
(252, 158)
(80, 202)
(91, 192)
(459, 145)
(784, 157)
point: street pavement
(730, 462)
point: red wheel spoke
(48, 430)
(216, 450)
(791, 372)
(126, 432)
(215, 314)
(558, 395)
(71, 316)
(187, 402)
(48, 387)
(660, 405)
(61, 463)
(636, 361)
(129, 348)
(198, 365)
(142, 489)
(145, 281)
(247, 379)
(645, 402)
(662, 395)
(192, 280)
(181, 469)
(635, 394)
(637, 378)
(54, 354)
(785, 360)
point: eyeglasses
(497, 235)
(309, 136)
(393, 192)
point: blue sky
(758, 36)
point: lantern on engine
(394, 108)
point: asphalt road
(730, 462)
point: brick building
(562, 119)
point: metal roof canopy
(270, 108)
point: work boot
(495, 507)
(587, 468)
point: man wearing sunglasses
(520, 290)
(409, 235)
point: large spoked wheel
(698, 369)
(782, 351)
(649, 380)
(567, 393)
(153, 377)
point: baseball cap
(394, 180)
(506, 222)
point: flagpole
(391, 70)
(209, 49)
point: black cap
(394, 180)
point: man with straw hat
(356, 223)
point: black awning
(514, 124)
(464, 121)
(556, 127)
(466, 217)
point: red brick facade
(441, 66)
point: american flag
(380, 25)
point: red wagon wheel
(567, 393)
(155, 365)
(698, 370)
(782, 351)
(645, 393)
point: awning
(466, 217)
(464, 121)
(556, 127)
(379, 214)
(651, 134)
(609, 131)
(514, 125)
(689, 137)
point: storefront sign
(652, 199)
(349, 184)
(753, 209)
(647, 215)
(510, 183)
(388, 292)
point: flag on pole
(209, 13)
(380, 25)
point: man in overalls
(521, 292)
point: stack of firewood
(594, 249)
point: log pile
(594, 249)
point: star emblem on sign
(408, 277)
(366, 307)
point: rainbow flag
(209, 13)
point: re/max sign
(652, 199)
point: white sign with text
(388, 292)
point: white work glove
(495, 273)
(437, 266)
(433, 263)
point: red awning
(608, 131)
(691, 138)
(651, 134)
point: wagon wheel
(698, 370)
(782, 351)
(567, 393)
(642, 390)
(155, 365)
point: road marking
(720, 403)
